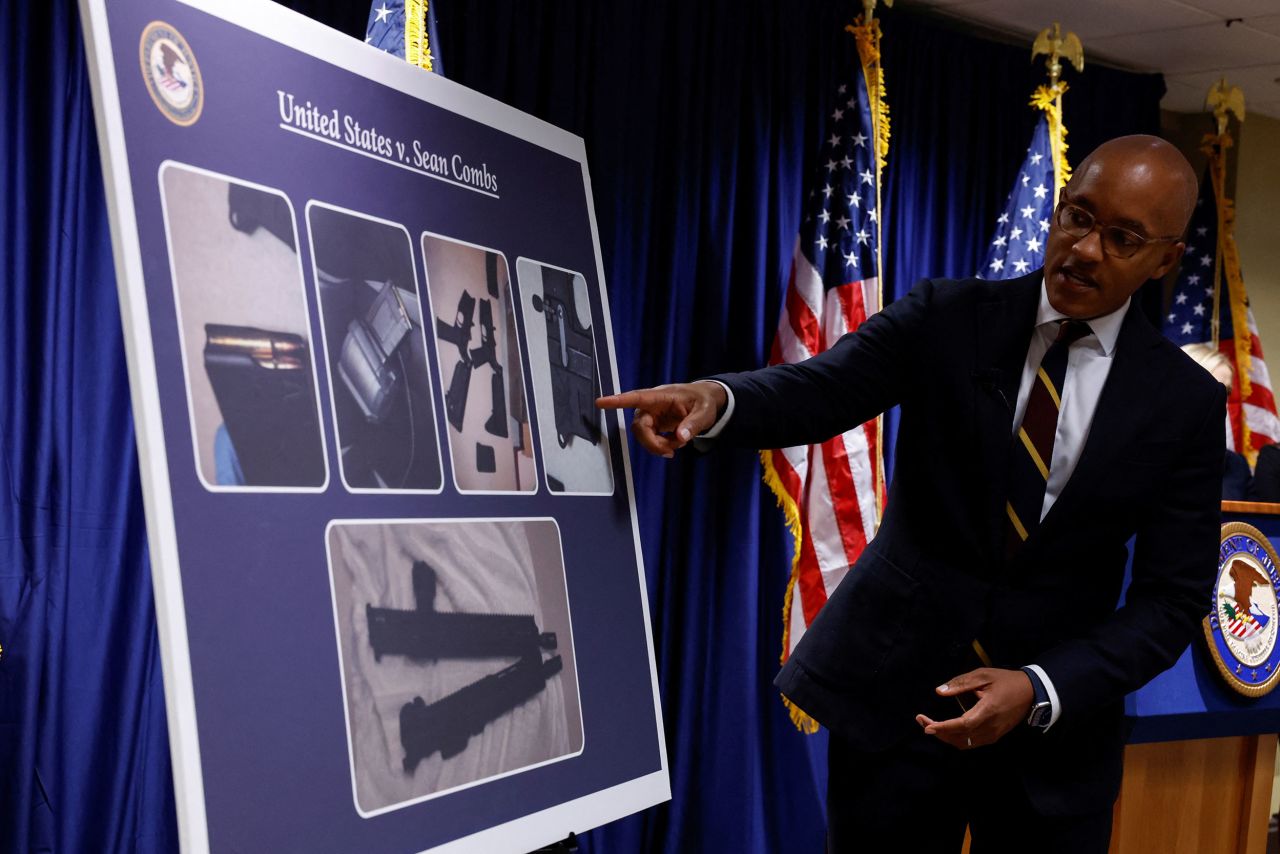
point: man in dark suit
(1044, 423)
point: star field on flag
(838, 233)
(1017, 247)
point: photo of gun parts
(246, 348)
(456, 651)
(479, 357)
(427, 635)
(371, 317)
(564, 370)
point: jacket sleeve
(861, 375)
(1174, 562)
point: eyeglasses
(1116, 241)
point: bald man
(972, 666)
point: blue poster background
(268, 693)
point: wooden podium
(1198, 796)
(1201, 761)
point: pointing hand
(669, 416)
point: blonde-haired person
(1237, 480)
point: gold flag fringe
(1049, 99)
(417, 47)
(791, 513)
(867, 37)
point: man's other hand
(669, 416)
(1004, 701)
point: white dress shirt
(1088, 365)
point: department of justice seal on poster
(170, 72)
(1242, 627)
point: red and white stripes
(829, 489)
(1257, 412)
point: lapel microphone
(989, 380)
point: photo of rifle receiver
(487, 354)
(572, 353)
(427, 634)
(459, 335)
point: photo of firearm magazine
(479, 357)
(456, 653)
(371, 319)
(246, 342)
(565, 375)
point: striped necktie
(1032, 453)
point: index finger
(962, 726)
(628, 399)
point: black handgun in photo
(572, 352)
(459, 335)
(448, 724)
(487, 354)
(365, 364)
(427, 634)
(263, 384)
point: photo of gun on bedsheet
(572, 352)
(263, 385)
(455, 646)
(448, 724)
(426, 634)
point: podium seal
(1244, 622)
(169, 69)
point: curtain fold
(84, 759)
(701, 122)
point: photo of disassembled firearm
(459, 335)
(425, 634)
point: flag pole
(1222, 101)
(1055, 47)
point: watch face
(1040, 714)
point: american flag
(1023, 225)
(831, 492)
(1190, 320)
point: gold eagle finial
(1057, 46)
(1223, 99)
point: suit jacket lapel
(1003, 327)
(1117, 422)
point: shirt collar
(1105, 328)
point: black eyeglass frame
(1108, 247)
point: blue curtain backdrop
(701, 121)
(84, 756)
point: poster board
(398, 578)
